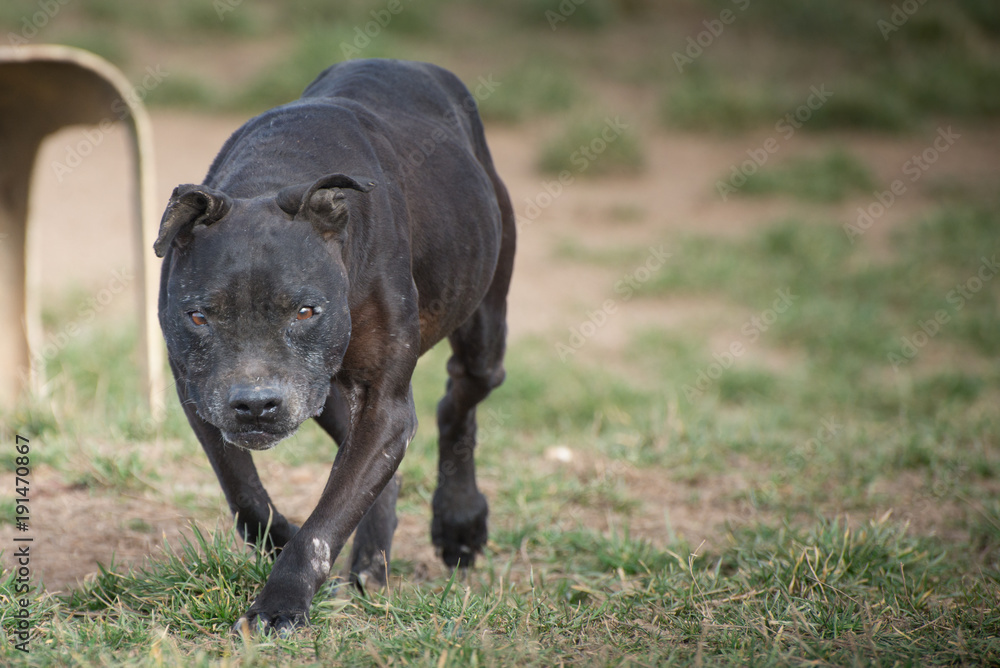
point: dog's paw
(270, 538)
(259, 622)
(369, 579)
(369, 570)
(278, 538)
(458, 530)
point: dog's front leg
(255, 516)
(383, 424)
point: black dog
(335, 240)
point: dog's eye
(198, 318)
(305, 313)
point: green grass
(594, 146)
(8, 510)
(938, 62)
(284, 81)
(188, 18)
(793, 582)
(186, 91)
(803, 457)
(829, 275)
(840, 594)
(117, 472)
(827, 178)
(530, 89)
(703, 100)
(108, 46)
(803, 445)
(592, 15)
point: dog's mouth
(255, 427)
(254, 438)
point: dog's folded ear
(322, 202)
(189, 205)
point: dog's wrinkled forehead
(253, 258)
(323, 204)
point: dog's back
(415, 120)
(406, 93)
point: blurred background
(754, 283)
(711, 69)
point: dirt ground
(84, 223)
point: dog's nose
(253, 402)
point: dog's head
(254, 302)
